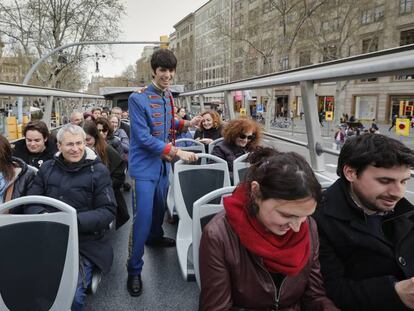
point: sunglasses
(250, 137)
(103, 130)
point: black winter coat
(34, 159)
(116, 168)
(24, 175)
(360, 265)
(228, 152)
(86, 186)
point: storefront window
(401, 105)
(365, 107)
(326, 103)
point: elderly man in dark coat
(366, 227)
(77, 177)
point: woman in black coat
(113, 161)
(15, 175)
(210, 128)
(240, 136)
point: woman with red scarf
(261, 252)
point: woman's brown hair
(106, 125)
(215, 116)
(234, 128)
(100, 144)
(6, 161)
(281, 175)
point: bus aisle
(164, 287)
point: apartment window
(405, 6)
(304, 58)
(366, 17)
(325, 26)
(329, 52)
(407, 37)
(268, 6)
(370, 45)
(379, 13)
(253, 31)
(284, 62)
(238, 5)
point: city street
(330, 160)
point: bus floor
(163, 285)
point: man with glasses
(77, 177)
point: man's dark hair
(373, 149)
(163, 58)
(39, 126)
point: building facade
(183, 47)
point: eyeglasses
(103, 130)
(250, 137)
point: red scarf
(286, 254)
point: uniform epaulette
(141, 90)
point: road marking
(409, 191)
(331, 165)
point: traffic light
(164, 42)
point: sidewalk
(328, 131)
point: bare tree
(35, 27)
(336, 34)
(255, 39)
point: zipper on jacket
(277, 292)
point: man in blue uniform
(152, 125)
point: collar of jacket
(88, 158)
(155, 89)
(343, 207)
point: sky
(145, 20)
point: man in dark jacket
(38, 145)
(366, 227)
(77, 177)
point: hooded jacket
(86, 186)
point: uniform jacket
(239, 280)
(151, 120)
(87, 187)
(360, 266)
(34, 159)
(228, 152)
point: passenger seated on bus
(240, 136)
(96, 112)
(210, 128)
(76, 118)
(77, 177)
(15, 175)
(113, 161)
(107, 132)
(366, 227)
(37, 147)
(121, 134)
(181, 115)
(124, 124)
(261, 252)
